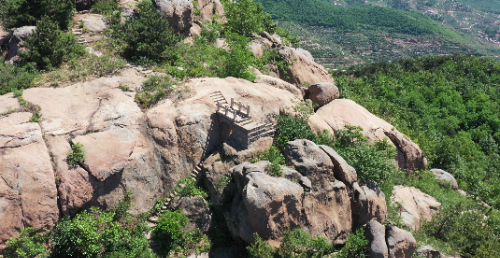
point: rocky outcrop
(278, 83)
(401, 243)
(94, 22)
(416, 207)
(264, 204)
(410, 156)
(182, 14)
(375, 234)
(427, 251)
(308, 158)
(322, 93)
(446, 177)
(270, 206)
(8, 103)
(128, 7)
(341, 112)
(368, 202)
(342, 171)
(28, 195)
(389, 241)
(256, 49)
(303, 69)
(5, 35)
(16, 43)
(196, 209)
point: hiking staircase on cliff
(78, 33)
(245, 129)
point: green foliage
(246, 16)
(15, 77)
(77, 153)
(295, 243)
(187, 187)
(106, 7)
(153, 90)
(89, 65)
(48, 47)
(171, 233)
(355, 247)
(291, 128)
(149, 36)
(27, 245)
(18, 13)
(238, 59)
(96, 234)
(123, 206)
(36, 118)
(276, 158)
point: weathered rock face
(427, 251)
(278, 83)
(342, 171)
(375, 234)
(28, 196)
(341, 112)
(94, 22)
(303, 69)
(84, 4)
(264, 204)
(401, 243)
(16, 43)
(196, 209)
(322, 93)
(308, 158)
(409, 155)
(256, 49)
(368, 203)
(207, 9)
(444, 176)
(8, 103)
(128, 7)
(416, 207)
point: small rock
(322, 93)
(428, 252)
(416, 206)
(304, 181)
(153, 219)
(444, 176)
(16, 43)
(401, 243)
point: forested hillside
(344, 33)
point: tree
(246, 16)
(48, 47)
(148, 35)
(17, 13)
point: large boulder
(265, 205)
(341, 112)
(94, 22)
(16, 43)
(401, 243)
(196, 209)
(28, 193)
(410, 156)
(342, 171)
(322, 93)
(278, 83)
(375, 234)
(303, 69)
(368, 202)
(179, 13)
(416, 206)
(446, 177)
(308, 158)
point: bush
(171, 233)
(153, 90)
(355, 247)
(48, 47)
(77, 153)
(148, 35)
(238, 59)
(16, 78)
(292, 128)
(96, 234)
(106, 7)
(187, 187)
(18, 13)
(246, 16)
(27, 245)
(276, 158)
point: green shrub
(355, 247)
(27, 245)
(106, 7)
(187, 187)
(246, 16)
(48, 47)
(292, 128)
(238, 59)
(83, 68)
(18, 13)
(260, 249)
(171, 233)
(96, 234)
(77, 153)
(36, 118)
(153, 90)
(15, 77)
(148, 35)
(276, 158)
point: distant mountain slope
(342, 33)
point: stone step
(147, 72)
(254, 138)
(150, 224)
(153, 219)
(148, 235)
